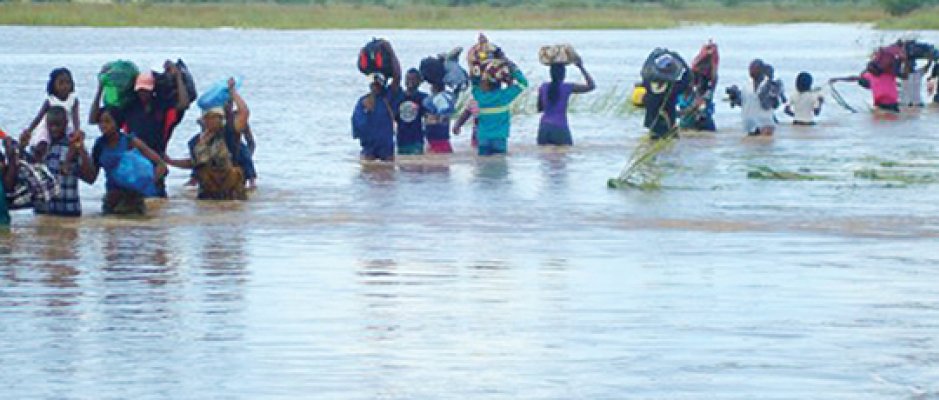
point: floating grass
(767, 173)
(641, 171)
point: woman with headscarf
(553, 98)
(213, 153)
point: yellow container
(639, 92)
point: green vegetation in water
(614, 101)
(767, 173)
(899, 176)
(641, 171)
(421, 15)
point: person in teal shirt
(494, 100)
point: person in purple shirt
(553, 98)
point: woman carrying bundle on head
(214, 152)
(665, 77)
(554, 97)
(494, 71)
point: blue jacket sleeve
(359, 120)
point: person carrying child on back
(553, 101)
(60, 90)
(373, 118)
(495, 117)
(806, 103)
(665, 76)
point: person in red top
(147, 117)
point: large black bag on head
(375, 59)
(663, 65)
(433, 71)
(165, 85)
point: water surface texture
(458, 277)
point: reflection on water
(781, 267)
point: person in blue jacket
(373, 119)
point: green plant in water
(767, 173)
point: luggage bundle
(35, 184)
(117, 80)
(165, 86)
(887, 59)
(135, 172)
(485, 58)
(444, 69)
(558, 54)
(374, 58)
(663, 65)
(217, 94)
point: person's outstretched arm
(590, 86)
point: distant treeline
(894, 7)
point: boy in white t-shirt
(806, 103)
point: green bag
(118, 83)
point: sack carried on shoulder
(558, 54)
(374, 59)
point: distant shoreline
(273, 16)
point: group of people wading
(137, 113)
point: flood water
(459, 277)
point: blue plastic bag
(217, 94)
(135, 172)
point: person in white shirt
(806, 103)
